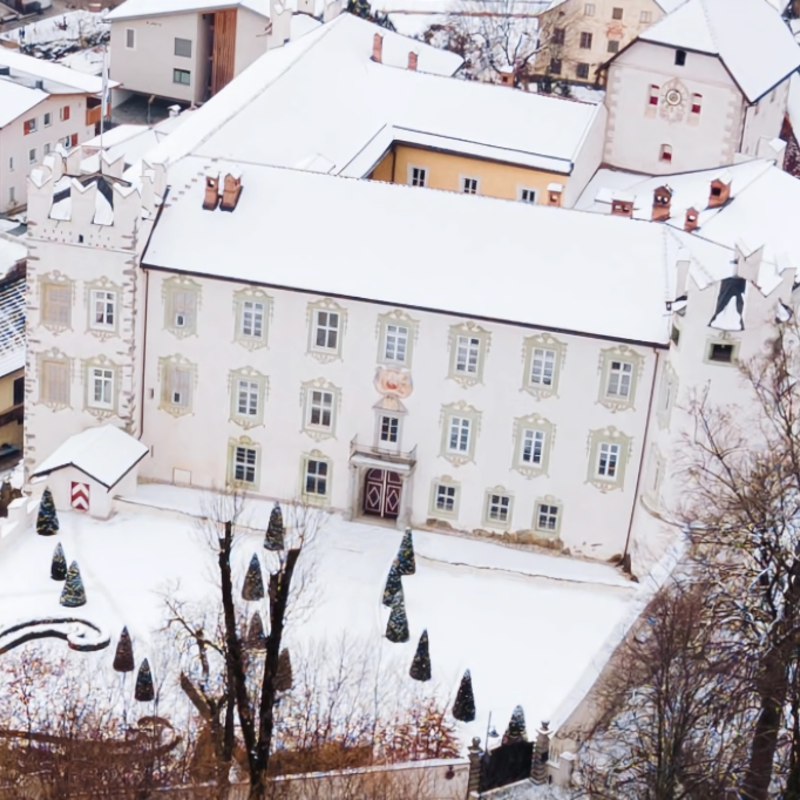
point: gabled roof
(57, 79)
(748, 36)
(15, 100)
(106, 454)
(132, 9)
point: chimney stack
(691, 223)
(662, 202)
(377, 48)
(412, 61)
(720, 190)
(232, 188)
(622, 206)
(212, 192)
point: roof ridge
(711, 30)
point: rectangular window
(555, 66)
(12, 195)
(469, 185)
(245, 460)
(607, 460)
(653, 98)
(616, 13)
(665, 153)
(646, 17)
(183, 48)
(418, 176)
(54, 384)
(63, 114)
(57, 304)
(320, 409)
(395, 346)
(32, 156)
(721, 353)
(130, 38)
(498, 508)
(11, 163)
(48, 119)
(316, 478)
(675, 335)
(582, 70)
(184, 307)
(620, 374)
(468, 350)
(680, 58)
(460, 430)
(532, 447)
(586, 40)
(546, 517)
(588, 10)
(178, 388)
(247, 398)
(19, 391)
(326, 330)
(527, 195)
(73, 140)
(697, 103)
(47, 148)
(543, 366)
(390, 429)
(445, 499)
(613, 46)
(29, 125)
(182, 76)
(559, 36)
(101, 387)
(252, 319)
(104, 305)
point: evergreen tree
(256, 638)
(406, 565)
(73, 594)
(144, 692)
(284, 678)
(253, 588)
(58, 566)
(123, 658)
(421, 665)
(393, 587)
(464, 705)
(47, 521)
(274, 538)
(397, 627)
(516, 727)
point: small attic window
(680, 58)
(716, 191)
(721, 353)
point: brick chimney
(377, 48)
(211, 197)
(622, 207)
(720, 191)
(662, 202)
(231, 190)
(554, 192)
(412, 61)
(690, 223)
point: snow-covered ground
(527, 625)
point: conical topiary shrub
(397, 627)
(47, 521)
(516, 727)
(256, 638)
(394, 585)
(274, 538)
(253, 588)
(144, 692)
(406, 565)
(421, 665)
(73, 594)
(123, 658)
(464, 705)
(58, 566)
(284, 679)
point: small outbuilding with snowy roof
(91, 468)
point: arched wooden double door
(382, 491)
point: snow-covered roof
(11, 253)
(15, 100)
(57, 78)
(12, 324)
(753, 42)
(131, 9)
(104, 453)
(593, 274)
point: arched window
(697, 103)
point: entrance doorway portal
(382, 490)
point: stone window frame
(170, 288)
(396, 317)
(498, 491)
(248, 443)
(55, 280)
(54, 356)
(534, 422)
(253, 295)
(103, 284)
(542, 341)
(463, 410)
(436, 512)
(656, 468)
(380, 443)
(249, 374)
(667, 392)
(316, 499)
(553, 502)
(166, 403)
(325, 354)
(318, 433)
(608, 435)
(101, 362)
(723, 338)
(472, 330)
(625, 354)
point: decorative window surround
(620, 369)
(498, 508)
(249, 390)
(56, 298)
(316, 475)
(101, 385)
(667, 392)
(388, 430)
(469, 345)
(103, 304)
(533, 441)
(543, 356)
(55, 378)
(253, 314)
(609, 453)
(181, 305)
(244, 463)
(321, 401)
(719, 348)
(396, 348)
(655, 475)
(445, 498)
(178, 378)
(547, 515)
(461, 424)
(327, 321)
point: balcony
(369, 455)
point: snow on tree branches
(47, 521)
(406, 565)
(464, 705)
(421, 665)
(253, 587)
(397, 627)
(144, 691)
(274, 537)
(73, 594)
(58, 566)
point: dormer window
(680, 58)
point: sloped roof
(15, 100)
(105, 454)
(748, 36)
(12, 326)
(57, 78)
(131, 9)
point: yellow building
(12, 349)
